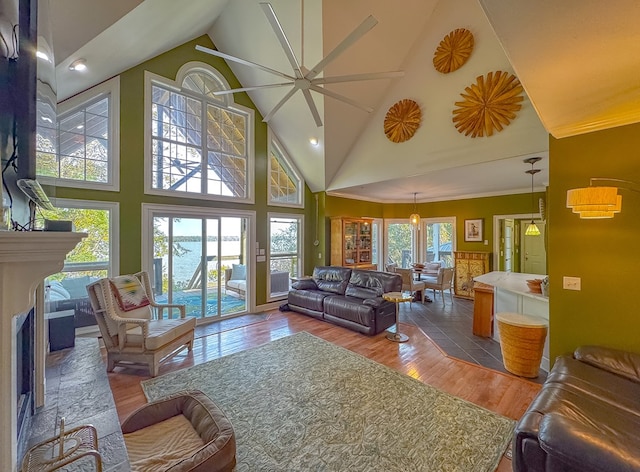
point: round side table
(397, 297)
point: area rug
(300, 403)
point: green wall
(132, 135)
(600, 252)
(473, 208)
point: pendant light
(414, 219)
(532, 229)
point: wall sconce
(414, 219)
(597, 202)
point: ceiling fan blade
(279, 104)
(355, 35)
(255, 87)
(357, 77)
(213, 52)
(342, 98)
(284, 42)
(312, 107)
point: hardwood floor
(420, 358)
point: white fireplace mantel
(26, 258)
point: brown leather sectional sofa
(586, 418)
(347, 297)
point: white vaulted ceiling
(354, 157)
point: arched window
(285, 184)
(200, 143)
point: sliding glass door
(200, 261)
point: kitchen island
(511, 294)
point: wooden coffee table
(397, 297)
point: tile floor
(450, 326)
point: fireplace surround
(26, 258)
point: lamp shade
(615, 209)
(414, 220)
(607, 196)
(532, 230)
(596, 215)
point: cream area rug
(303, 404)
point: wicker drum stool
(522, 341)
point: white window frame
(379, 224)
(300, 218)
(176, 85)
(414, 239)
(111, 89)
(150, 210)
(282, 152)
(114, 230)
(422, 249)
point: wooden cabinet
(351, 243)
(469, 264)
(483, 310)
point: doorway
(513, 251)
(200, 260)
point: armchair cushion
(161, 332)
(162, 445)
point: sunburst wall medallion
(489, 105)
(402, 120)
(453, 51)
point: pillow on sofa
(238, 272)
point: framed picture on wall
(473, 230)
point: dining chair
(409, 284)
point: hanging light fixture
(414, 219)
(532, 229)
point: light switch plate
(571, 283)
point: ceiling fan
(304, 79)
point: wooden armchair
(129, 331)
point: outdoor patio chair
(123, 309)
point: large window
(200, 143)
(285, 252)
(439, 240)
(93, 258)
(79, 146)
(285, 185)
(400, 243)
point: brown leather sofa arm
(623, 363)
(574, 445)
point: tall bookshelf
(351, 244)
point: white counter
(511, 294)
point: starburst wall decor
(489, 105)
(402, 120)
(453, 51)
